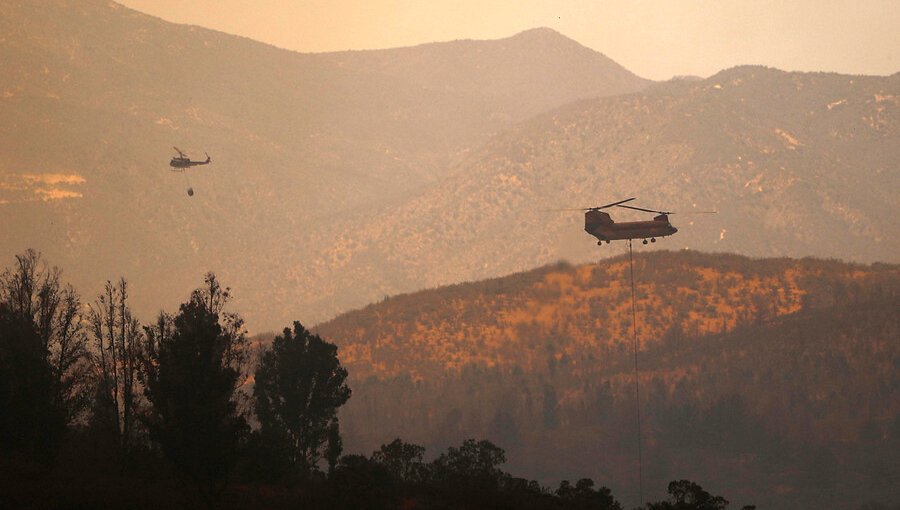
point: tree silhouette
(31, 419)
(476, 462)
(402, 460)
(687, 495)
(32, 290)
(116, 360)
(300, 384)
(193, 368)
(583, 496)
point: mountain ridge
(345, 184)
(808, 176)
(98, 94)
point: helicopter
(600, 225)
(182, 162)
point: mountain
(94, 95)
(773, 380)
(340, 178)
(797, 164)
(523, 75)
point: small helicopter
(600, 225)
(182, 162)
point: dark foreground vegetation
(98, 410)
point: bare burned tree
(118, 338)
(33, 291)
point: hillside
(798, 164)
(772, 379)
(94, 95)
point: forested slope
(775, 379)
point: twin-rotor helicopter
(600, 224)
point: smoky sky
(656, 39)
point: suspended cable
(637, 391)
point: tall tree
(194, 364)
(32, 290)
(300, 384)
(115, 358)
(31, 418)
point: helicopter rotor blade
(696, 212)
(597, 208)
(179, 151)
(642, 209)
(614, 204)
(570, 209)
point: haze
(422, 208)
(654, 39)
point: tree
(687, 495)
(583, 495)
(193, 367)
(402, 460)
(300, 384)
(32, 291)
(31, 419)
(473, 460)
(117, 341)
(470, 475)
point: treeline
(174, 389)
(98, 410)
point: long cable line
(637, 391)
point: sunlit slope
(797, 164)
(773, 378)
(580, 312)
(94, 95)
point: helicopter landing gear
(644, 241)
(652, 239)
